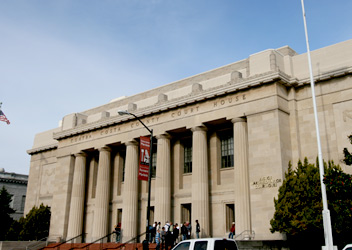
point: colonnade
(200, 185)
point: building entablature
(192, 98)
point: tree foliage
(348, 156)
(338, 188)
(298, 208)
(35, 225)
(5, 211)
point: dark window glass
(182, 246)
(188, 158)
(200, 245)
(123, 169)
(154, 165)
(226, 151)
(225, 245)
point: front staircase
(97, 246)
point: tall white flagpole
(326, 212)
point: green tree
(338, 188)
(35, 225)
(347, 154)
(5, 211)
(298, 208)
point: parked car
(207, 244)
(348, 247)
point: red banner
(144, 158)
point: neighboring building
(224, 139)
(16, 185)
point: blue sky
(59, 57)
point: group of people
(168, 235)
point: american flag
(3, 117)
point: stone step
(97, 246)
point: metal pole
(326, 213)
(150, 169)
(149, 183)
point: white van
(207, 244)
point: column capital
(199, 128)
(104, 148)
(80, 154)
(131, 143)
(238, 119)
(163, 136)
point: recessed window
(153, 173)
(187, 158)
(226, 151)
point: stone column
(101, 208)
(75, 223)
(241, 179)
(200, 188)
(163, 180)
(130, 193)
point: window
(123, 168)
(182, 246)
(153, 173)
(201, 245)
(188, 158)
(225, 245)
(23, 201)
(226, 151)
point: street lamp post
(125, 112)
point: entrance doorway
(186, 212)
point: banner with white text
(144, 158)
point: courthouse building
(223, 140)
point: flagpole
(326, 213)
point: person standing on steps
(197, 229)
(232, 230)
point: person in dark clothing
(168, 238)
(197, 229)
(176, 234)
(184, 231)
(118, 232)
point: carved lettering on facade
(229, 100)
(266, 182)
(79, 138)
(145, 121)
(185, 111)
(109, 131)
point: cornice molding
(41, 149)
(10, 180)
(230, 87)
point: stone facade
(223, 141)
(16, 185)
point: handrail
(31, 245)
(58, 246)
(106, 236)
(131, 240)
(246, 234)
